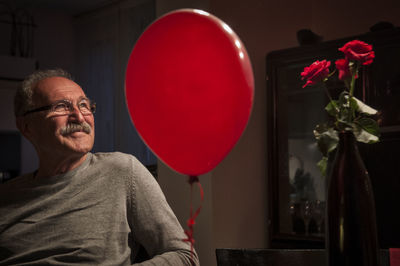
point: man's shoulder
(111, 155)
(17, 181)
(120, 166)
(114, 159)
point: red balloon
(189, 89)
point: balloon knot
(193, 179)
(191, 222)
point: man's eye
(61, 107)
(84, 105)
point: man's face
(47, 129)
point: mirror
(298, 188)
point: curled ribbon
(192, 220)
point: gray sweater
(101, 213)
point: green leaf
(369, 125)
(363, 108)
(327, 139)
(321, 128)
(353, 105)
(343, 102)
(322, 165)
(344, 107)
(332, 108)
(364, 136)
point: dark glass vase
(351, 221)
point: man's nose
(77, 114)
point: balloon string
(191, 221)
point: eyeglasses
(65, 107)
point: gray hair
(23, 100)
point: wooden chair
(278, 257)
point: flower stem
(330, 98)
(327, 93)
(354, 75)
(353, 83)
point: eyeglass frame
(92, 106)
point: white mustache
(76, 127)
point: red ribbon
(192, 220)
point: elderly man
(78, 207)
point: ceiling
(72, 7)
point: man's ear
(23, 126)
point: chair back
(278, 257)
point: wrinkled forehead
(57, 88)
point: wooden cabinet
(296, 188)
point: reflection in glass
(306, 185)
(319, 215)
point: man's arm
(154, 225)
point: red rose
(344, 70)
(316, 72)
(358, 51)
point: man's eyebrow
(70, 100)
(83, 98)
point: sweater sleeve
(155, 226)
